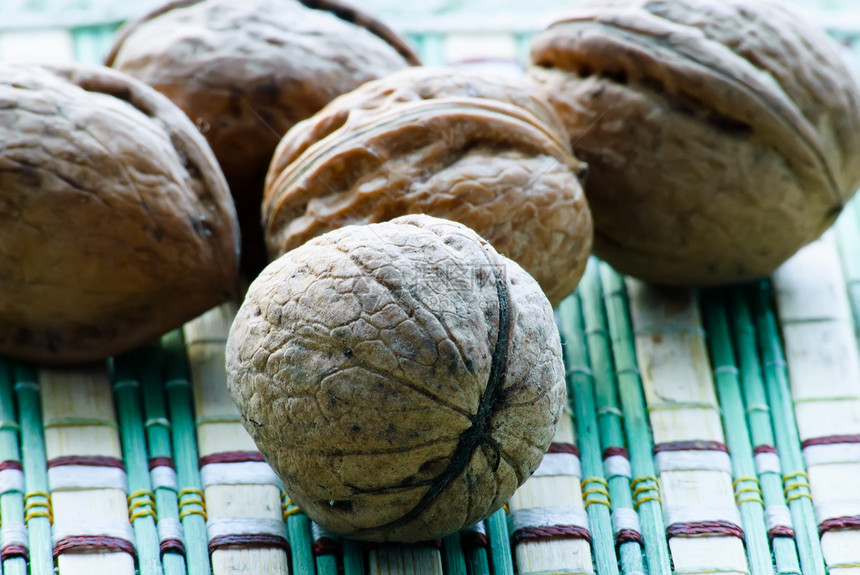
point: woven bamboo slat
(824, 367)
(241, 511)
(82, 448)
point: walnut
(116, 224)
(402, 378)
(722, 135)
(471, 148)
(245, 72)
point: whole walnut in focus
(471, 148)
(245, 72)
(402, 378)
(116, 224)
(722, 135)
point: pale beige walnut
(466, 147)
(246, 71)
(402, 378)
(722, 135)
(116, 224)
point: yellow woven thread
(639, 502)
(598, 480)
(742, 479)
(642, 479)
(798, 482)
(288, 507)
(38, 508)
(596, 486)
(188, 497)
(754, 489)
(143, 507)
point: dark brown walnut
(245, 72)
(116, 224)
(415, 143)
(721, 136)
(402, 378)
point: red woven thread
(704, 529)
(563, 448)
(325, 546)
(11, 464)
(839, 523)
(764, 448)
(93, 544)
(251, 541)
(614, 451)
(88, 460)
(172, 546)
(14, 551)
(161, 462)
(695, 445)
(628, 536)
(780, 531)
(550, 532)
(474, 540)
(830, 440)
(232, 457)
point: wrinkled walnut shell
(116, 224)
(402, 378)
(245, 72)
(416, 142)
(721, 136)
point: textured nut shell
(490, 165)
(721, 136)
(370, 377)
(410, 85)
(116, 224)
(246, 71)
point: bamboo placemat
(713, 431)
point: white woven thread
(625, 519)
(164, 477)
(834, 509)
(476, 528)
(13, 533)
(693, 460)
(244, 473)
(555, 464)
(547, 517)
(225, 526)
(319, 532)
(11, 480)
(767, 463)
(697, 513)
(93, 528)
(777, 516)
(830, 454)
(617, 466)
(169, 528)
(77, 477)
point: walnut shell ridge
(116, 224)
(445, 143)
(721, 136)
(245, 72)
(402, 378)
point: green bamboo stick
(37, 507)
(453, 560)
(758, 417)
(609, 416)
(795, 481)
(477, 562)
(747, 492)
(635, 422)
(353, 557)
(133, 439)
(299, 536)
(158, 438)
(326, 564)
(192, 512)
(581, 396)
(501, 561)
(12, 502)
